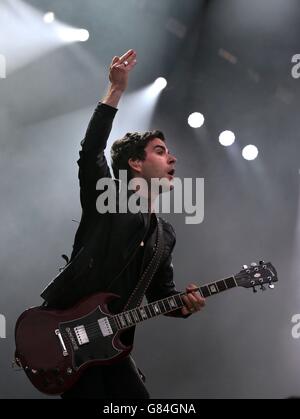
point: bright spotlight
(49, 17)
(226, 138)
(250, 152)
(83, 35)
(156, 87)
(160, 84)
(73, 35)
(196, 120)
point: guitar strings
(92, 328)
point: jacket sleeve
(162, 286)
(92, 162)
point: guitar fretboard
(166, 305)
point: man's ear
(135, 165)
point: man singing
(112, 250)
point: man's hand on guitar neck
(192, 300)
(118, 76)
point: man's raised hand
(120, 68)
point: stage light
(156, 88)
(226, 138)
(49, 17)
(28, 33)
(160, 84)
(73, 35)
(250, 152)
(82, 35)
(196, 120)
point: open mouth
(171, 172)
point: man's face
(159, 163)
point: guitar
(54, 347)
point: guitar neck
(166, 305)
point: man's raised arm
(101, 122)
(92, 162)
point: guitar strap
(137, 295)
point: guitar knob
(262, 262)
(254, 290)
(253, 264)
(56, 371)
(60, 381)
(245, 266)
(271, 286)
(46, 382)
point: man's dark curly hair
(132, 145)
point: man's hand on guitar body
(193, 301)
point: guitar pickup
(105, 326)
(81, 335)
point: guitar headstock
(256, 275)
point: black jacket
(105, 243)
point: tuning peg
(245, 266)
(253, 264)
(271, 286)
